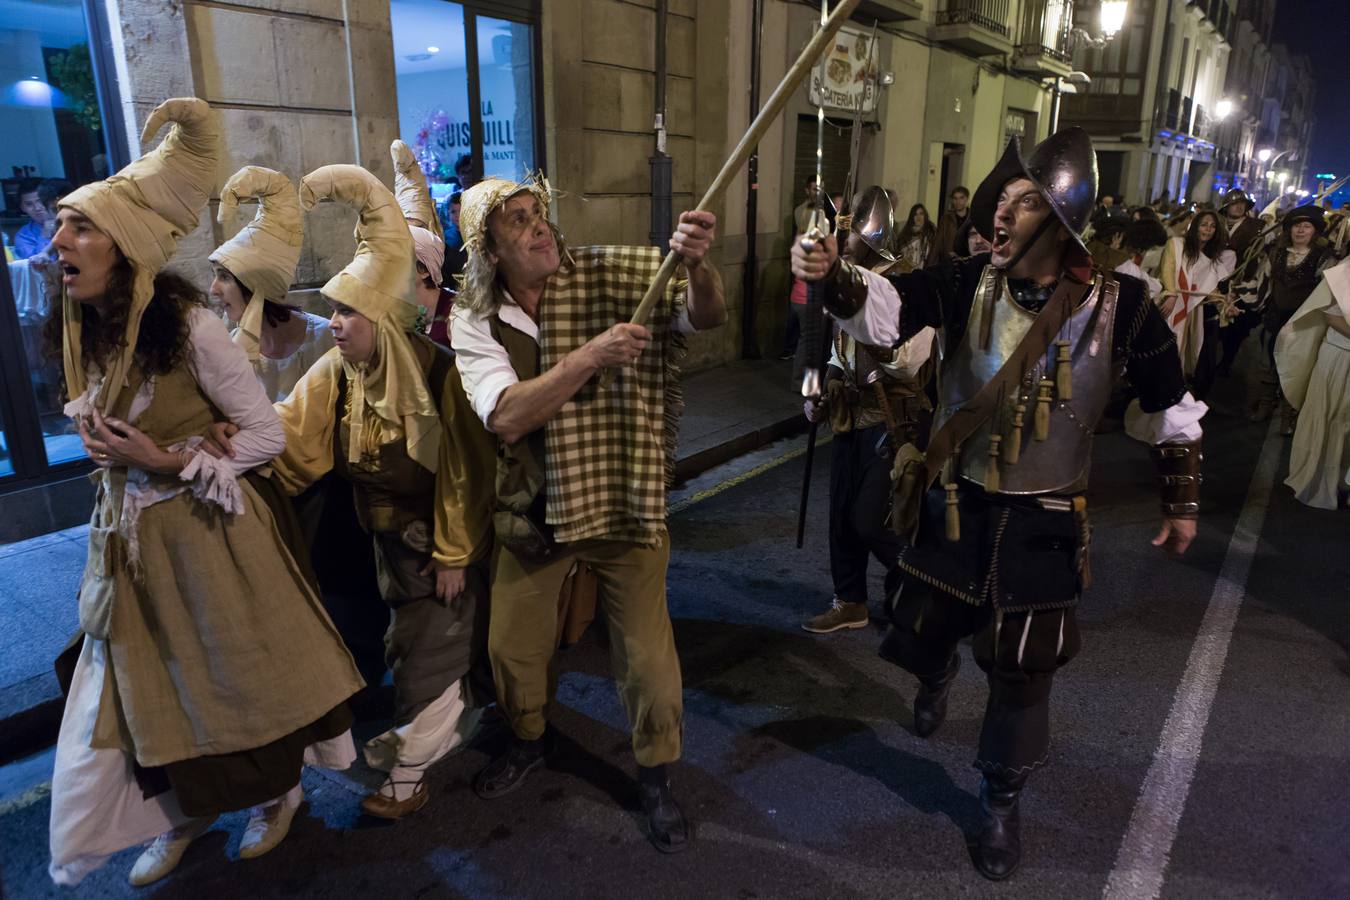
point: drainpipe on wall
(750, 275)
(660, 161)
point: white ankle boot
(163, 854)
(268, 825)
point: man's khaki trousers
(632, 595)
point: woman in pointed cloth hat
(414, 198)
(253, 272)
(195, 616)
(384, 410)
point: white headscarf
(414, 198)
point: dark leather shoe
(507, 772)
(666, 825)
(930, 703)
(998, 848)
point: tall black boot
(930, 703)
(668, 829)
(998, 847)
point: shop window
(466, 81)
(55, 139)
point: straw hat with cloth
(263, 255)
(379, 284)
(477, 284)
(146, 209)
(414, 198)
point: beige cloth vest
(217, 644)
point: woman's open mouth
(68, 273)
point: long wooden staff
(772, 108)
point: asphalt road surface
(1200, 749)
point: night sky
(1321, 30)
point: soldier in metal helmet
(1032, 338)
(874, 399)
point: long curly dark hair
(162, 344)
(1214, 246)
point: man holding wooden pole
(584, 461)
(582, 471)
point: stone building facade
(304, 83)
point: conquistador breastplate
(1079, 359)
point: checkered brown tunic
(609, 454)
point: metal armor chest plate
(1060, 463)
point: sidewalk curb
(697, 463)
(30, 716)
(30, 711)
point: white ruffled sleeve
(1179, 422)
(226, 377)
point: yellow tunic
(466, 456)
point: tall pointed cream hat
(379, 284)
(146, 209)
(379, 281)
(414, 198)
(265, 252)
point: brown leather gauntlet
(845, 290)
(1179, 478)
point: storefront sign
(849, 72)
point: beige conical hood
(379, 281)
(379, 284)
(414, 197)
(410, 187)
(146, 209)
(263, 255)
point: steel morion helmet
(1064, 170)
(1237, 195)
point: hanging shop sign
(848, 72)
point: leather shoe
(666, 825)
(930, 703)
(388, 807)
(998, 848)
(507, 772)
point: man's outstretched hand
(1176, 535)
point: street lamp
(1264, 154)
(1111, 18)
(1223, 109)
(1113, 14)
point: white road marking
(26, 799)
(1141, 862)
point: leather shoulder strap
(967, 420)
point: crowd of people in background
(1220, 272)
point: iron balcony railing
(1045, 28)
(991, 15)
